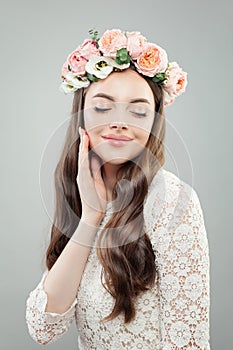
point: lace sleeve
(46, 327)
(182, 259)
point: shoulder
(169, 197)
(168, 187)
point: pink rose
(135, 44)
(176, 80)
(88, 48)
(152, 60)
(111, 41)
(64, 70)
(168, 100)
(76, 62)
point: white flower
(169, 313)
(193, 286)
(73, 82)
(99, 66)
(170, 287)
(120, 66)
(102, 66)
(182, 266)
(180, 334)
(193, 314)
(76, 80)
(67, 88)
(184, 237)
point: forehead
(122, 86)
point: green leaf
(122, 56)
(69, 67)
(94, 34)
(92, 77)
(90, 31)
(118, 60)
(159, 78)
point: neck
(109, 177)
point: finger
(83, 151)
(85, 142)
(80, 137)
(80, 152)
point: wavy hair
(127, 256)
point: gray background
(36, 38)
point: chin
(112, 159)
(118, 161)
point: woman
(128, 257)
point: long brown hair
(127, 258)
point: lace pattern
(172, 315)
(46, 327)
(180, 243)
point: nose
(118, 125)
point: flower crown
(97, 57)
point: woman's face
(121, 105)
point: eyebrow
(135, 100)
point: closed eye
(101, 110)
(140, 114)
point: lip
(117, 137)
(114, 142)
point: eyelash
(101, 110)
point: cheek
(94, 134)
(142, 128)
(144, 136)
(92, 121)
(142, 133)
(89, 122)
(92, 139)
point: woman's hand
(92, 189)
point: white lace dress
(174, 314)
